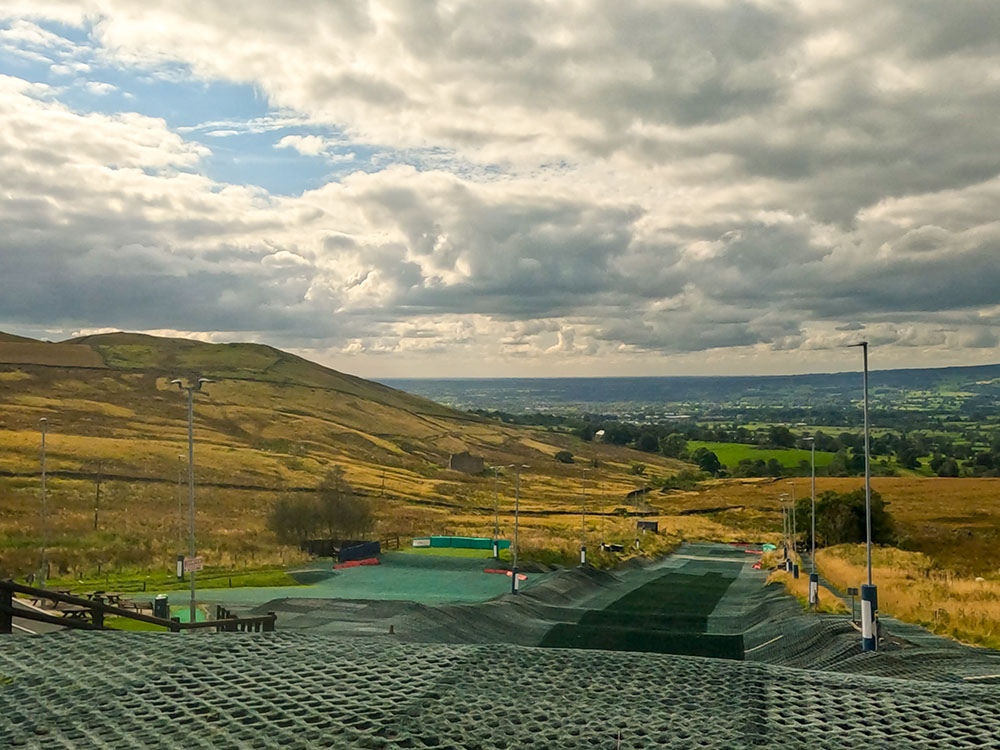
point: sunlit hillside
(271, 423)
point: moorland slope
(272, 423)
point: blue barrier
(359, 551)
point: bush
(564, 457)
(840, 518)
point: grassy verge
(139, 581)
(799, 587)
(125, 623)
(912, 589)
(453, 552)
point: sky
(444, 189)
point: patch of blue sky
(250, 158)
(234, 121)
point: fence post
(6, 610)
(176, 625)
(97, 614)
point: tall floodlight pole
(813, 574)
(42, 573)
(180, 496)
(869, 593)
(583, 518)
(517, 511)
(795, 527)
(496, 513)
(784, 522)
(191, 390)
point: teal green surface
(418, 578)
(183, 611)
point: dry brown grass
(955, 521)
(799, 587)
(912, 588)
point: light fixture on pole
(194, 564)
(795, 527)
(583, 519)
(517, 511)
(496, 513)
(813, 574)
(869, 593)
(784, 522)
(43, 569)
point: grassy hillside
(271, 424)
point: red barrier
(753, 552)
(356, 563)
(520, 576)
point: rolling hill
(272, 423)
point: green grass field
(731, 454)
(136, 582)
(451, 552)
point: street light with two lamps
(191, 390)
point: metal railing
(97, 609)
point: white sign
(421, 542)
(193, 564)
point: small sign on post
(193, 564)
(852, 592)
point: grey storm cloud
(589, 178)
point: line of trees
(334, 511)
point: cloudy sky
(585, 187)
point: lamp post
(496, 513)
(869, 593)
(517, 510)
(583, 519)
(191, 390)
(795, 527)
(43, 570)
(813, 574)
(784, 522)
(180, 495)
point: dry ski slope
(799, 679)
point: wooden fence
(89, 614)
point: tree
(647, 443)
(293, 519)
(774, 468)
(948, 468)
(564, 457)
(909, 458)
(780, 436)
(707, 460)
(340, 512)
(840, 518)
(673, 445)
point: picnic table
(72, 611)
(114, 598)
